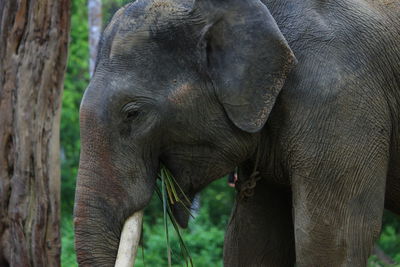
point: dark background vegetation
(204, 237)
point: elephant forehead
(123, 43)
(134, 24)
(180, 94)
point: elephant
(302, 96)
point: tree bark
(33, 52)
(95, 22)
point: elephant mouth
(182, 214)
(181, 201)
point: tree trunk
(33, 53)
(95, 22)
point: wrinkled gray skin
(202, 85)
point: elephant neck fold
(246, 188)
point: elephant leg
(338, 201)
(260, 232)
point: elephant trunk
(101, 210)
(97, 223)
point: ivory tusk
(129, 241)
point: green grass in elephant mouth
(170, 193)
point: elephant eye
(130, 111)
(132, 114)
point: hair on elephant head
(186, 83)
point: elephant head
(186, 83)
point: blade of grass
(171, 182)
(168, 190)
(171, 177)
(144, 263)
(142, 239)
(172, 197)
(165, 205)
(171, 185)
(184, 250)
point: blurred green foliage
(76, 80)
(204, 237)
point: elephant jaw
(129, 241)
(182, 214)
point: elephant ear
(248, 58)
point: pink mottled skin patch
(180, 94)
